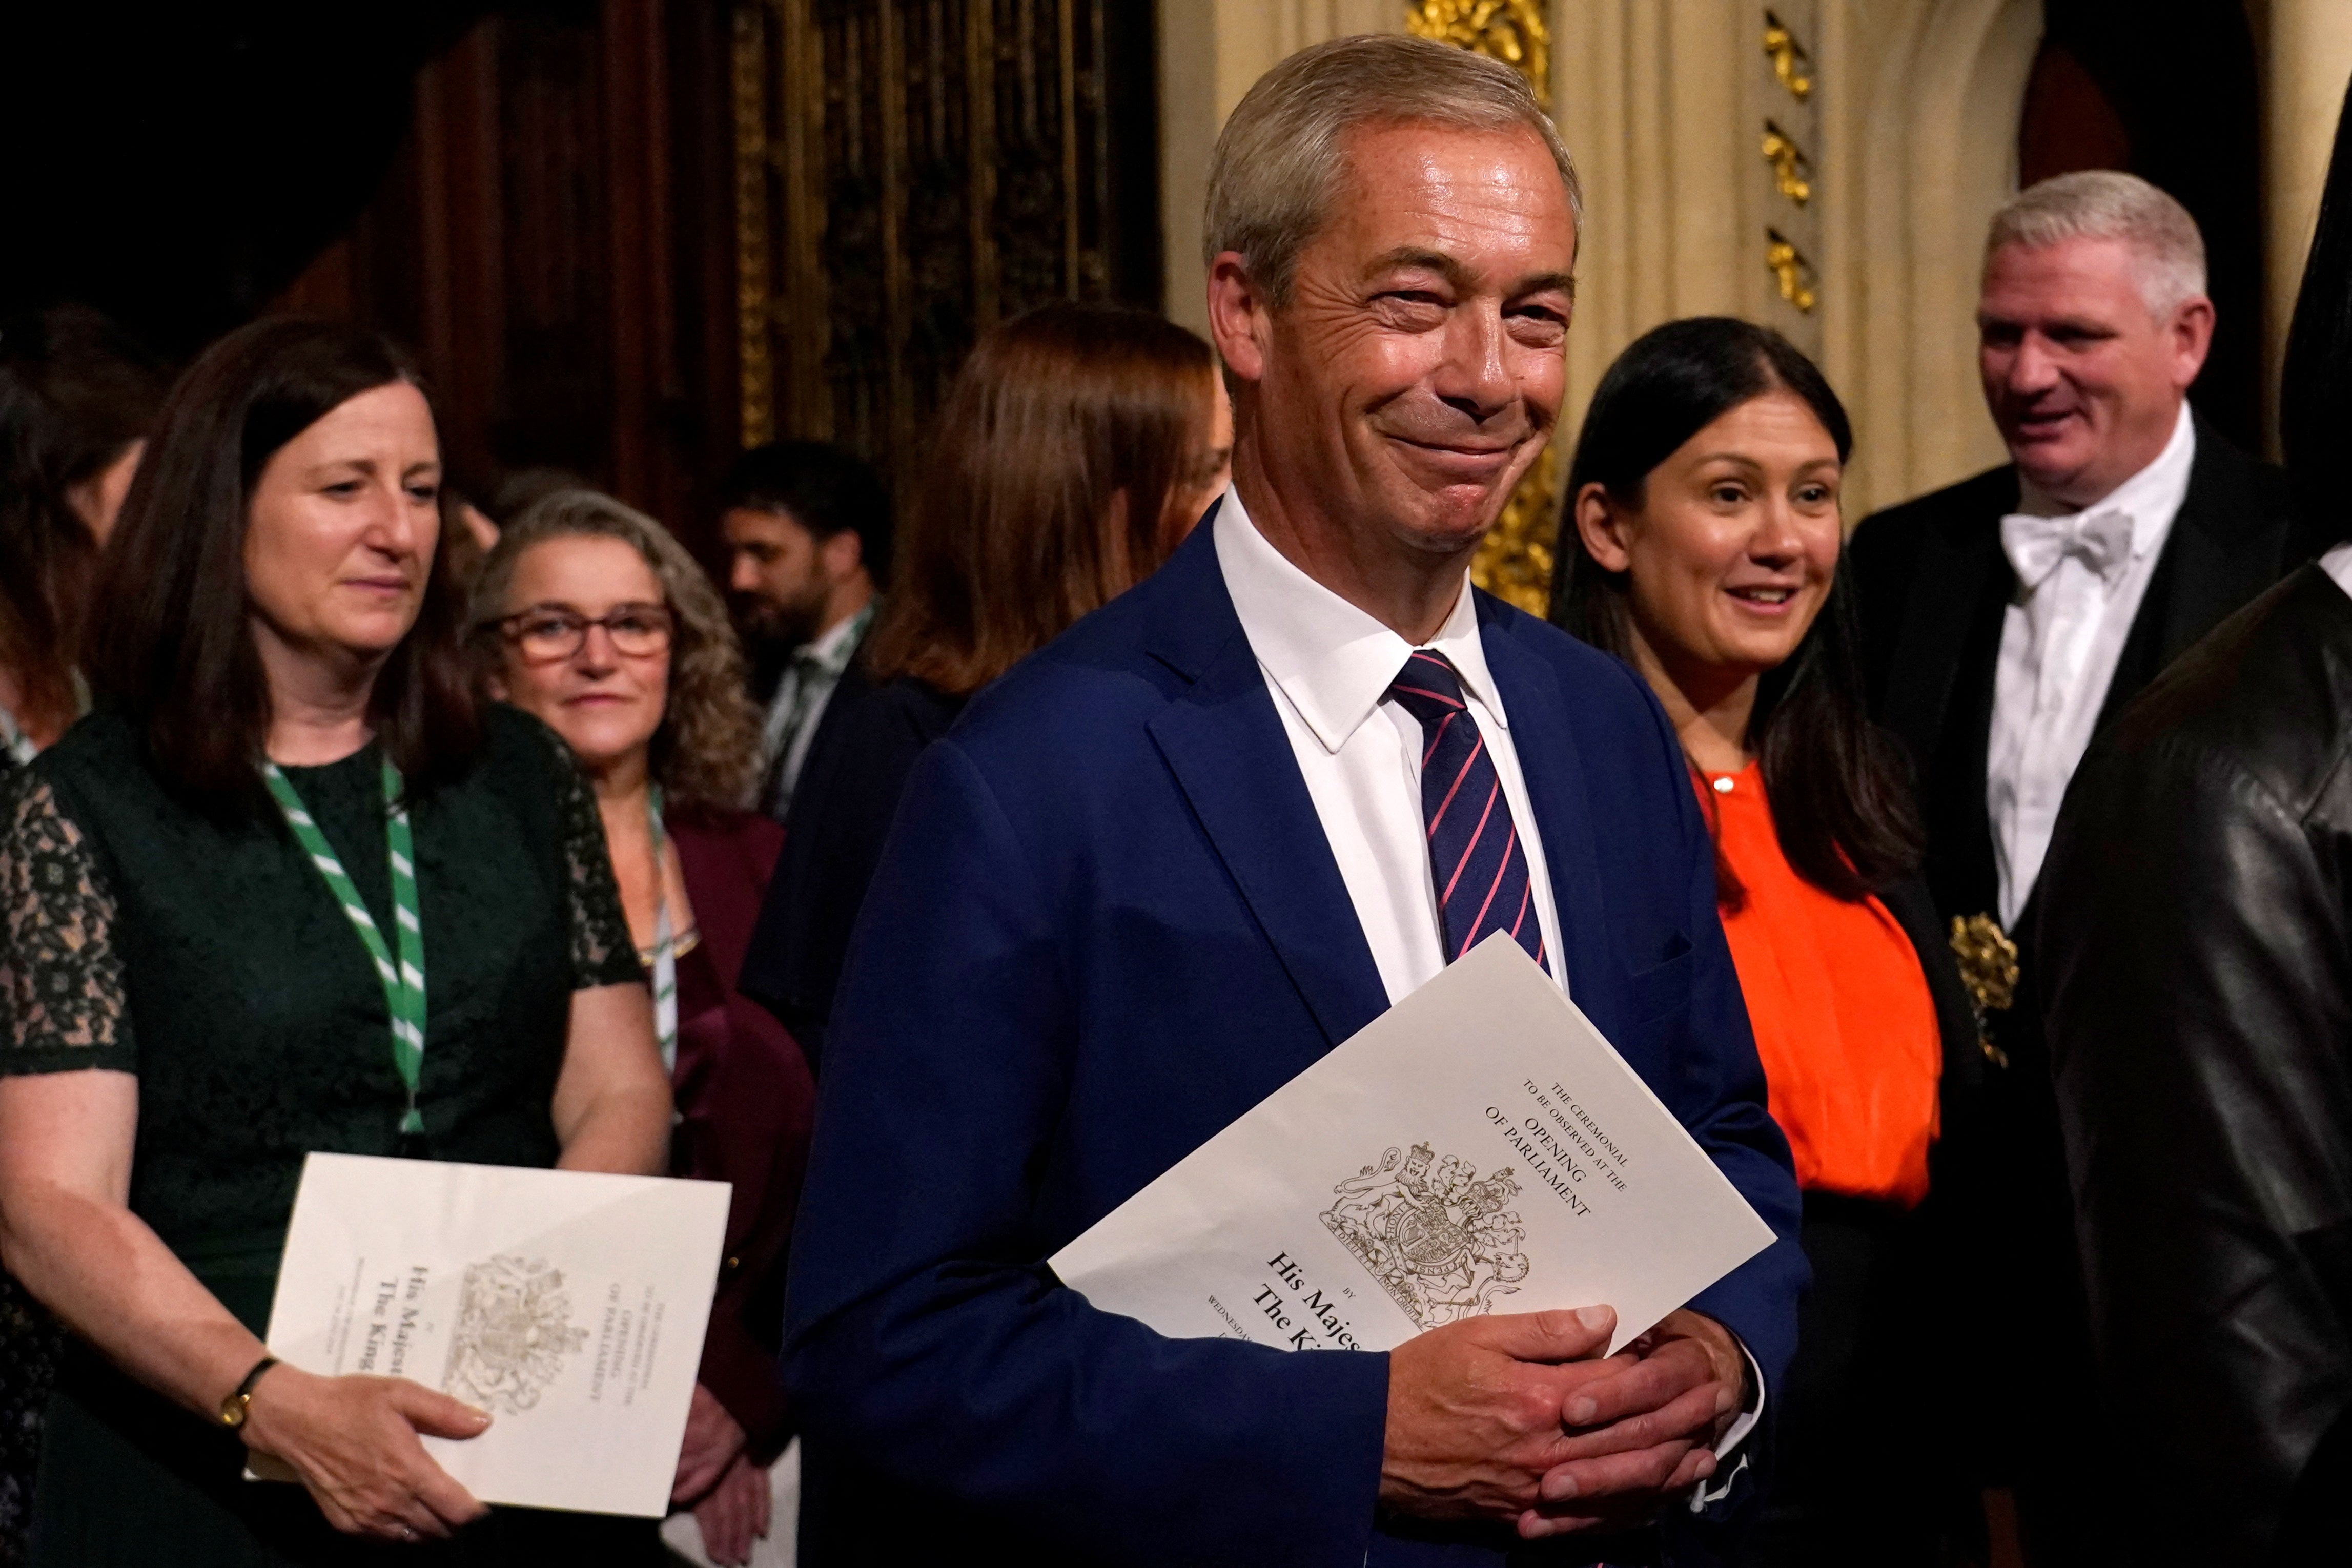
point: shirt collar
(2149, 497)
(832, 647)
(1331, 661)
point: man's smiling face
(1416, 371)
(2083, 378)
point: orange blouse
(1842, 1016)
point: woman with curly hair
(593, 618)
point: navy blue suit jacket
(1109, 922)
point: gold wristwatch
(232, 1409)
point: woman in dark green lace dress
(194, 885)
(76, 398)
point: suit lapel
(1554, 774)
(1962, 579)
(1939, 693)
(2221, 552)
(823, 755)
(1225, 743)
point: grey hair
(706, 751)
(2101, 204)
(1280, 158)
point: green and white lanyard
(664, 964)
(404, 983)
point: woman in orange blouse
(1704, 551)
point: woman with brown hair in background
(1078, 444)
(76, 398)
(594, 620)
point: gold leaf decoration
(1790, 61)
(747, 61)
(1792, 172)
(1790, 269)
(1513, 31)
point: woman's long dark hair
(75, 393)
(171, 643)
(1839, 787)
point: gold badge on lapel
(1989, 969)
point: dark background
(539, 197)
(2169, 90)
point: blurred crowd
(2022, 851)
(734, 742)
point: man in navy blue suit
(1208, 834)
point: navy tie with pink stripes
(1475, 851)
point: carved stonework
(910, 172)
(1516, 560)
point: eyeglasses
(543, 636)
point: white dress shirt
(2081, 578)
(2338, 564)
(1329, 667)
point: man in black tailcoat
(2006, 621)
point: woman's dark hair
(1839, 787)
(170, 636)
(75, 394)
(1018, 529)
(2316, 384)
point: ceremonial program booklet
(1478, 1148)
(569, 1305)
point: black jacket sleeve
(2195, 955)
(834, 836)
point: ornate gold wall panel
(1790, 270)
(910, 172)
(1517, 32)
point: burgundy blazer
(745, 1098)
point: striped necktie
(1481, 867)
(806, 671)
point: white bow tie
(2100, 540)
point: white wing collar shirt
(2080, 579)
(1329, 667)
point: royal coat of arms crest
(514, 1334)
(1439, 1240)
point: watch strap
(232, 1409)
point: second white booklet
(570, 1305)
(1478, 1148)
